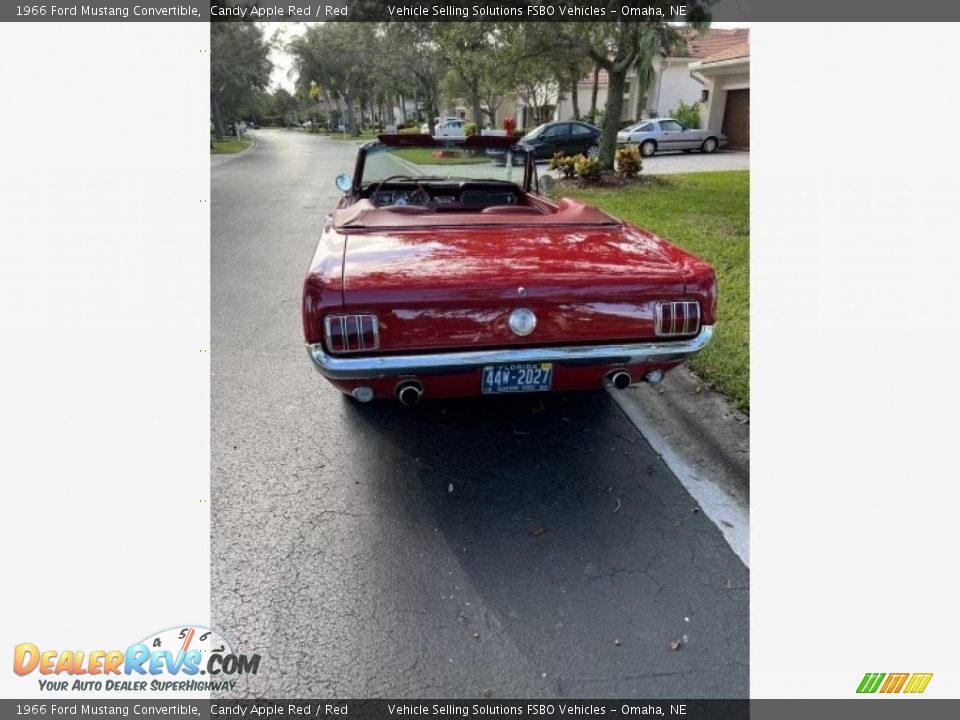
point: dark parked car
(569, 138)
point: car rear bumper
(387, 366)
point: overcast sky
(282, 62)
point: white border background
(104, 295)
(855, 256)
(104, 369)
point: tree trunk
(351, 127)
(326, 97)
(611, 115)
(475, 104)
(217, 116)
(574, 94)
(594, 91)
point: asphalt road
(518, 547)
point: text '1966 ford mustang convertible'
(444, 273)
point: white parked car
(660, 134)
(448, 127)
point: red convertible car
(444, 272)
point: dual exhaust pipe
(621, 379)
(409, 392)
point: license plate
(517, 377)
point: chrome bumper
(386, 366)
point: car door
(582, 138)
(672, 136)
(691, 138)
(556, 138)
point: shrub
(587, 168)
(594, 118)
(562, 163)
(470, 128)
(628, 161)
(687, 115)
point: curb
(223, 159)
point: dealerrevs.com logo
(181, 659)
(893, 683)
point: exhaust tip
(410, 392)
(620, 379)
(363, 394)
(654, 376)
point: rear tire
(709, 145)
(648, 148)
(593, 151)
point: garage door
(736, 119)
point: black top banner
(478, 10)
(547, 709)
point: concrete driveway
(681, 162)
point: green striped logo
(912, 683)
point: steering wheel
(375, 193)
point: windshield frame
(476, 142)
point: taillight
(677, 318)
(352, 333)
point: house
(675, 83)
(725, 77)
(675, 80)
(713, 69)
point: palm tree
(657, 43)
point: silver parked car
(661, 134)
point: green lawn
(707, 214)
(228, 146)
(424, 156)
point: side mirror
(343, 182)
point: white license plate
(517, 377)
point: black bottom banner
(259, 709)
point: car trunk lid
(455, 287)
